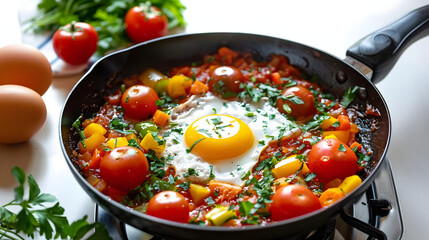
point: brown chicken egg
(26, 66)
(23, 113)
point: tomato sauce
(304, 161)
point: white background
(330, 25)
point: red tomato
(144, 22)
(293, 201)
(139, 102)
(331, 158)
(225, 79)
(297, 102)
(75, 43)
(124, 168)
(169, 205)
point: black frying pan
(378, 51)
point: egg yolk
(217, 136)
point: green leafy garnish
(349, 96)
(120, 126)
(106, 16)
(342, 148)
(41, 213)
(193, 145)
(76, 124)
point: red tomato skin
(229, 75)
(124, 168)
(329, 163)
(299, 111)
(76, 46)
(139, 102)
(169, 205)
(142, 24)
(293, 201)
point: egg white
(265, 121)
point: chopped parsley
(349, 96)
(190, 172)
(193, 145)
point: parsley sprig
(41, 213)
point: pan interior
(105, 77)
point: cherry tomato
(139, 102)
(124, 168)
(169, 205)
(145, 22)
(297, 102)
(331, 158)
(75, 43)
(293, 201)
(225, 79)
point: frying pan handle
(381, 49)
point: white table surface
(331, 25)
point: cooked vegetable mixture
(228, 141)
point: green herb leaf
(342, 148)
(193, 145)
(349, 96)
(38, 215)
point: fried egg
(213, 138)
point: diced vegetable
(328, 123)
(343, 135)
(149, 142)
(355, 145)
(280, 182)
(94, 141)
(144, 127)
(289, 166)
(219, 215)
(93, 128)
(131, 136)
(330, 196)
(354, 128)
(95, 159)
(334, 183)
(275, 76)
(224, 191)
(344, 121)
(350, 183)
(161, 86)
(150, 77)
(198, 192)
(117, 142)
(178, 85)
(198, 87)
(160, 118)
(224, 51)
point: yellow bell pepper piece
(219, 215)
(289, 166)
(131, 136)
(331, 136)
(350, 183)
(342, 135)
(149, 142)
(94, 141)
(117, 142)
(198, 192)
(178, 85)
(328, 122)
(93, 128)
